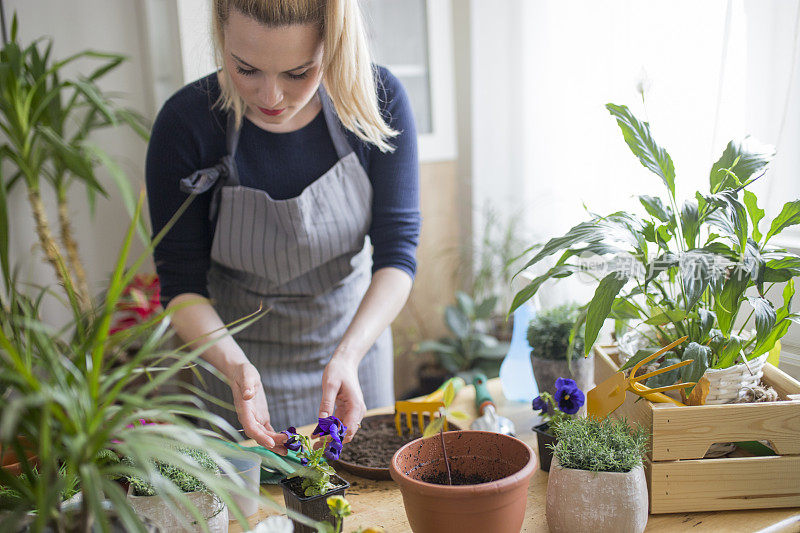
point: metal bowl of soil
(370, 452)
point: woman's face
(276, 70)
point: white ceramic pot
(155, 508)
(599, 502)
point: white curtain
(543, 70)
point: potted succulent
(597, 482)
(147, 502)
(308, 488)
(463, 480)
(566, 402)
(469, 348)
(688, 269)
(549, 338)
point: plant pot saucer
(372, 472)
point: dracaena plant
(684, 269)
(68, 403)
(46, 118)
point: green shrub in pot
(550, 339)
(597, 481)
(687, 269)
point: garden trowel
(606, 397)
(489, 419)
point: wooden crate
(678, 477)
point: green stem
(746, 321)
(446, 460)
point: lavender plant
(568, 400)
(316, 472)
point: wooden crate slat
(724, 484)
(687, 432)
(784, 384)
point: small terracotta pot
(497, 506)
(600, 502)
(545, 439)
(11, 463)
(315, 507)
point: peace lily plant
(685, 268)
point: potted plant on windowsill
(307, 489)
(686, 270)
(567, 401)
(597, 482)
(549, 335)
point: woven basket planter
(729, 384)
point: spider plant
(61, 391)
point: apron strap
(223, 173)
(335, 128)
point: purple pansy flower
(332, 426)
(292, 443)
(333, 449)
(569, 397)
(539, 404)
(303, 461)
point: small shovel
(489, 419)
(606, 397)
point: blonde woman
(298, 148)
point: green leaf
(726, 304)
(729, 352)
(744, 158)
(449, 394)
(433, 428)
(95, 97)
(623, 309)
(666, 316)
(756, 213)
(655, 207)
(486, 307)
(639, 355)
(558, 271)
(690, 220)
(789, 216)
(465, 304)
(637, 136)
(667, 378)
(457, 321)
(693, 372)
(784, 317)
(435, 346)
(583, 232)
(707, 319)
(600, 306)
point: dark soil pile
(440, 478)
(375, 443)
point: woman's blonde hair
(346, 66)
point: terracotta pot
(9, 461)
(600, 502)
(156, 509)
(544, 440)
(314, 507)
(497, 506)
(547, 371)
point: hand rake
(429, 405)
(610, 394)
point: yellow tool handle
(656, 355)
(657, 397)
(438, 394)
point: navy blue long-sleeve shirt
(189, 134)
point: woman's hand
(341, 394)
(251, 407)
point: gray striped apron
(308, 260)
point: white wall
(74, 26)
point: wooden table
(379, 503)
